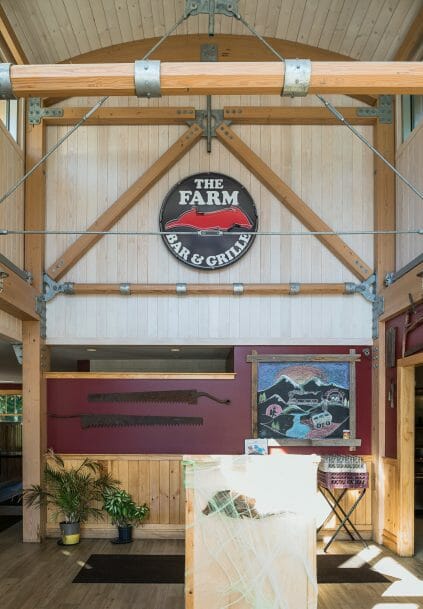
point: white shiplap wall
(329, 168)
(11, 217)
(409, 206)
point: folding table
(346, 481)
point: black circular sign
(208, 219)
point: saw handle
(204, 394)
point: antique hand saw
(125, 420)
(186, 396)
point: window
(412, 113)
(11, 408)
(9, 110)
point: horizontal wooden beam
(210, 289)
(230, 47)
(292, 201)
(253, 115)
(17, 297)
(124, 116)
(125, 202)
(207, 78)
(397, 296)
(292, 115)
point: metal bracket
(365, 288)
(221, 7)
(208, 52)
(297, 77)
(181, 289)
(125, 289)
(147, 78)
(36, 112)
(209, 126)
(238, 289)
(52, 288)
(294, 288)
(383, 111)
(18, 349)
(41, 309)
(6, 90)
(377, 310)
(3, 275)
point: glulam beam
(214, 78)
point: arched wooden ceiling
(51, 31)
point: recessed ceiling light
(91, 349)
(175, 349)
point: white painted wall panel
(329, 168)
(11, 217)
(409, 206)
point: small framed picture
(256, 446)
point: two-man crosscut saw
(185, 396)
(126, 420)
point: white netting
(254, 533)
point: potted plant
(73, 493)
(124, 512)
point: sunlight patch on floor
(396, 606)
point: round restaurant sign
(208, 219)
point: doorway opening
(418, 472)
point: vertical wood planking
(321, 162)
(154, 501)
(175, 491)
(164, 486)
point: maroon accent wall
(414, 342)
(224, 429)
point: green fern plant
(72, 492)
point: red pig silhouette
(223, 219)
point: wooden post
(35, 358)
(384, 262)
(405, 434)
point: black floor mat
(8, 521)
(165, 569)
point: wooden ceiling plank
(317, 24)
(362, 35)
(209, 78)
(10, 39)
(393, 32)
(330, 23)
(345, 17)
(411, 48)
(99, 16)
(125, 202)
(292, 201)
(292, 115)
(380, 25)
(76, 22)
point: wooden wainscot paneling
(390, 523)
(158, 481)
(153, 479)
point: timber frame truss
(207, 124)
